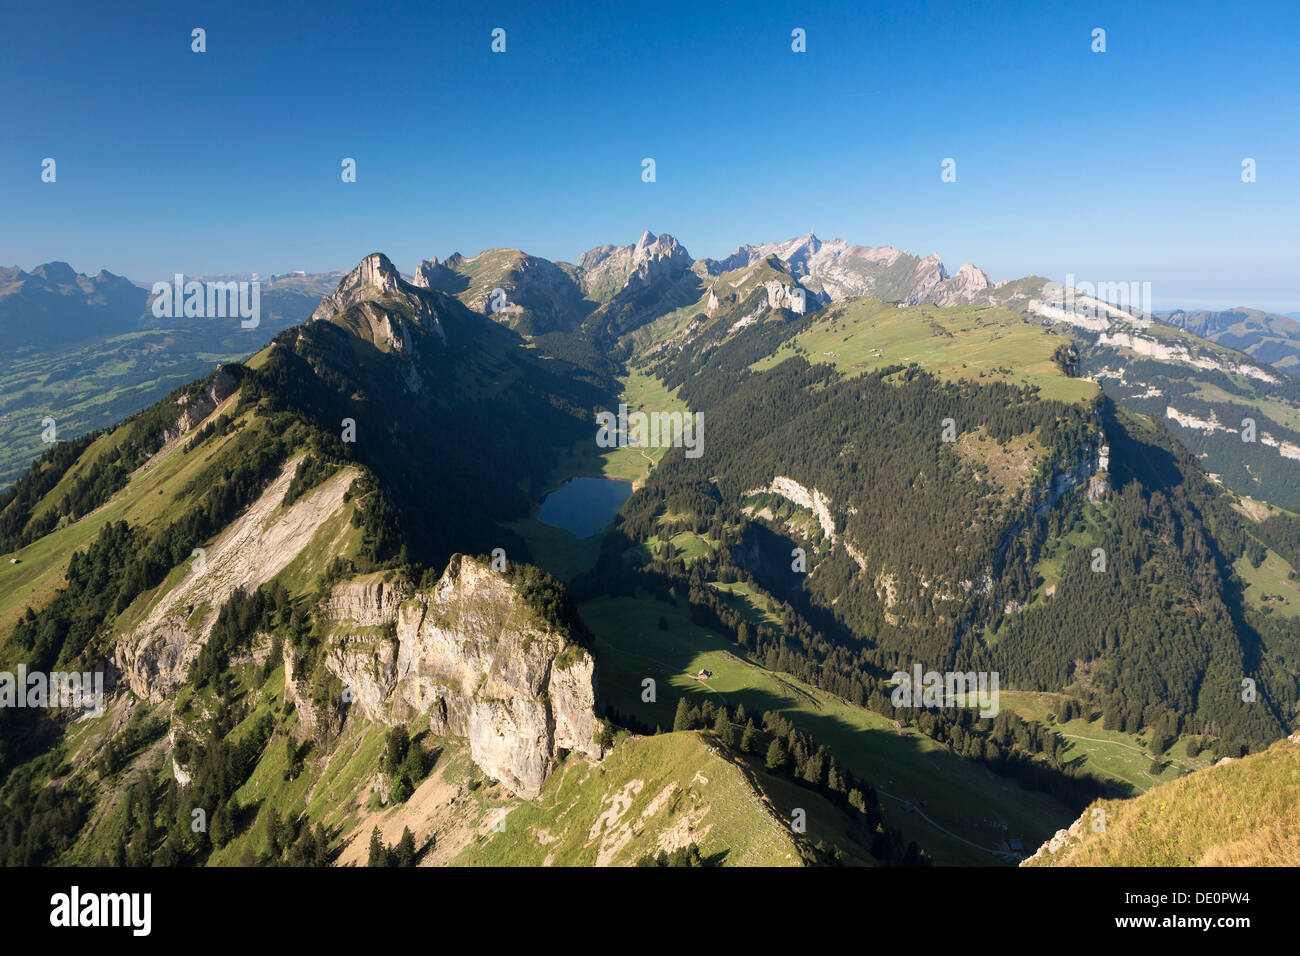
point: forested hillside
(944, 549)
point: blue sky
(1115, 166)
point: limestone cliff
(194, 409)
(472, 658)
(155, 653)
(369, 293)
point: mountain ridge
(400, 429)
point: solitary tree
(378, 852)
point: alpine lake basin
(584, 505)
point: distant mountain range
(53, 304)
(633, 283)
(626, 299)
(1268, 337)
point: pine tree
(404, 854)
(378, 852)
(776, 755)
(749, 738)
(321, 847)
(722, 727)
(221, 828)
(273, 834)
(413, 765)
(682, 721)
(399, 742)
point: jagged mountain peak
(374, 277)
(376, 270)
(375, 302)
(648, 246)
(433, 274)
(59, 273)
(530, 294)
(970, 285)
(606, 271)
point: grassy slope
(641, 392)
(1270, 585)
(153, 495)
(961, 795)
(1240, 814)
(1120, 756)
(991, 344)
(656, 793)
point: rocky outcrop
(783, 295)
(1060, 840)
(820, 506)
(1285, 449)
(376, 280)
(195, 408)
(473, 659)
(809, 498)
(318, 721)
(1153, 348)
(367, 602)
(182, 775)
(155, 654)
(1098, 487)
(837, 270)
(1067, 306)
(968, 285)
(1199, 424)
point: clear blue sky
(1119, 166)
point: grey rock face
(839, 271)
(471, 658)
(531, 294)
(155, 653)
(610, 270)
(376, 278)
(196, 409)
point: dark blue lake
(585, 505)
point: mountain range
(330, 615)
